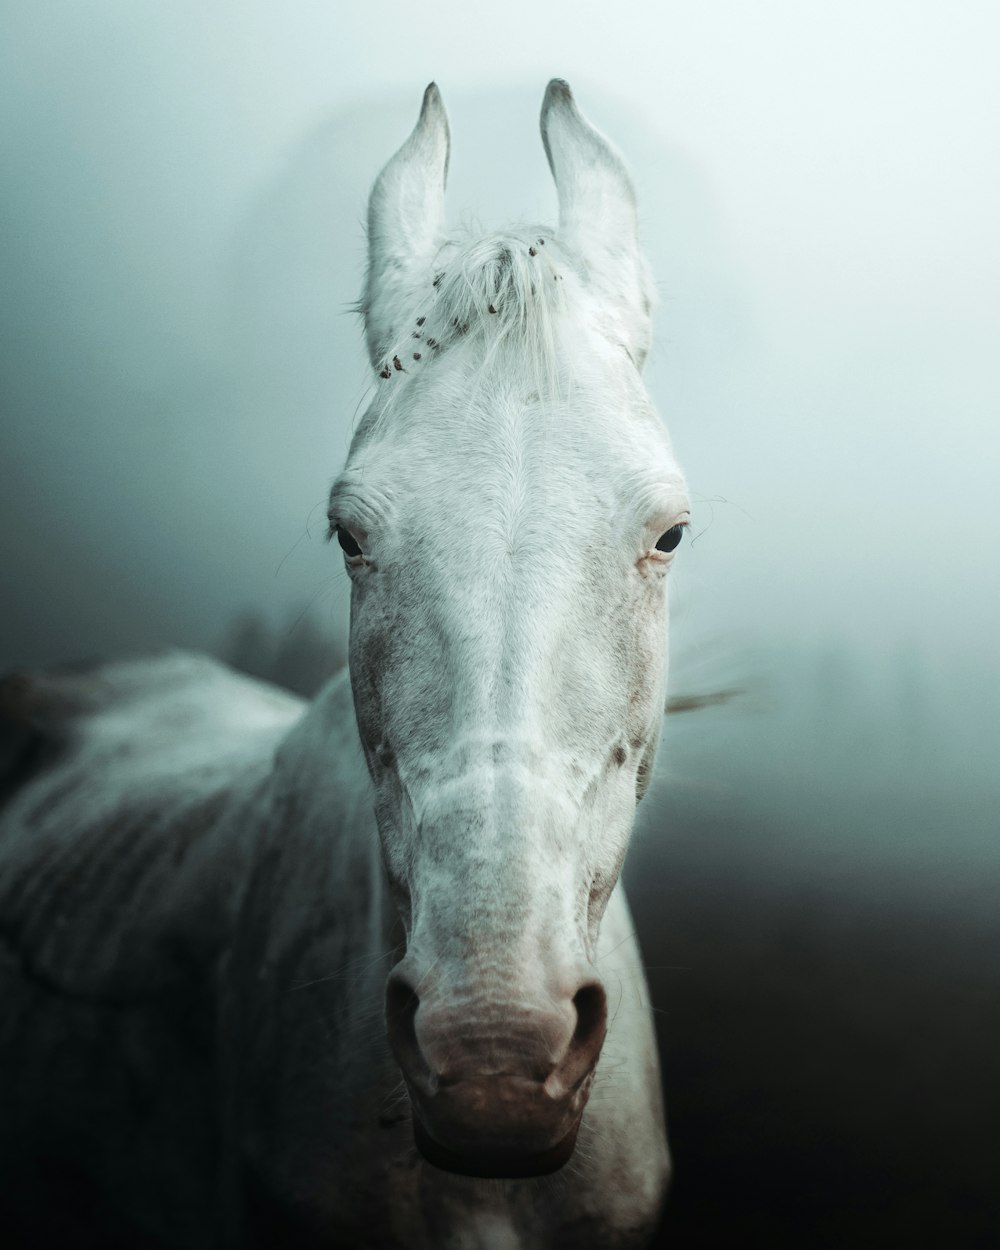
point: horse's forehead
(496, 440)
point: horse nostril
(581, 1055)
(401, 1003)
(591, 1019)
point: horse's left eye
(348, 543)
(669, 540)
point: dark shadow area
(830, 1080)
(821, 939)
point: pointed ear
(405, 224)
(597, 215)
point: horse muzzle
(497, 1088)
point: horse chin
(495, 1162)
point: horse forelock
(502, 289)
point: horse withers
(362, 973)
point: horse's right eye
(348, 543)
(670, 540)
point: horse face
(508, 532)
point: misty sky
(180, 237)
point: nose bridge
(496, 873)
(512, 624)
(511, 775)
(497, 944)
(495, 1014)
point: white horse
(204, 884)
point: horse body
(204, 885)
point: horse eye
(348, 543)
(669, 540)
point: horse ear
(597, 215)
(405, 224)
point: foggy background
(816, 872)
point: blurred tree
(300, 657)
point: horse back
(127, 802)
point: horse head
(508, 515)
